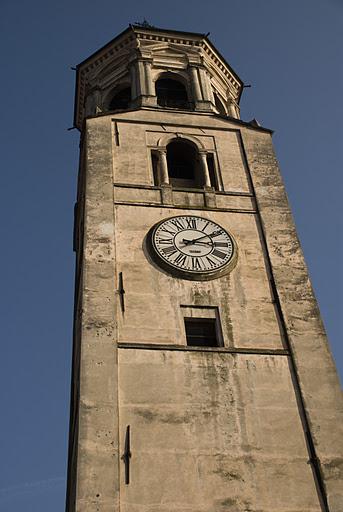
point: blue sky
(291, 54)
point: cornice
(200, 42)
(116, 116)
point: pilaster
(97, 476)
(200, 89)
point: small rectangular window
(201, 332)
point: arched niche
(183, 163)
(119, 98)
(171, 91)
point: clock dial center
(193, 243)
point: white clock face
(193, 245)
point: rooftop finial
(144, 24)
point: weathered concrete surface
(210, 431)
(96, 485)
(315, 368)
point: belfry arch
(171, 91)
(119, 98)
(182, 162)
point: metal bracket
(127, 455)
(121, 291)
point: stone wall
(222, 429)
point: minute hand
(215, 233)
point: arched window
(183, 164)
(121, 100)
(171, 93)
(219, 105)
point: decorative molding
(168, 137)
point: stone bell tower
(202, 378)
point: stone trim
(187, 348)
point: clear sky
(291, 53)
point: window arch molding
(179, 76)
(166, 139)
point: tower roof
(138, 40)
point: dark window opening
(202, 332)
(182, 162)
(212, 171)
(219, 105)
(121, 100)
(155, 167)
(171, 93)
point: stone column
(233, 109)
(133, 75)
(163, 166)
(206, 174)
(148, 79)
(210, 90)
(93, 102)
(204, 81)
(196, 84)
(141, 78)
(238, 111)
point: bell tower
(202, 378)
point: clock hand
(196, 239)
(192, 242)
(212, 235)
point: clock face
(197, 247)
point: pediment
(170, 50)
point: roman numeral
(180, 259)
(168, 251)
(220, 244)
(211, 262)
(203, 229)
(178, 224)
(216, 233)
(191, 223)
(164, 241)
(167, 230)
(219, 254)
(196, 264)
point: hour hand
(187, 242)
(196, 241)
